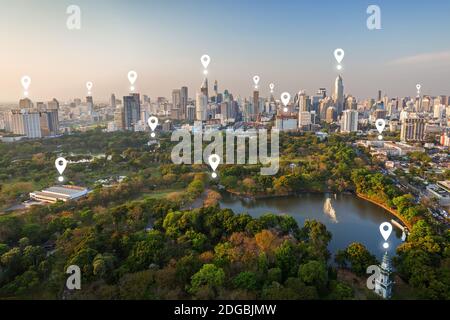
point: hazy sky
(289, 43)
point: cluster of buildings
(415, 118)
(32, 121)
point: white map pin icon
(339, 54)
(214, 161)
(380, 124)
(89, 85)
(271, 86)
(205, 59)
(26, 81)
(152, 123)
(285, 98)
(60, 164)
(256, 80)
(418, 86)
(385, 230)
(132, 77)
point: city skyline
(288, 54)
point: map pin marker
(61, 165)
(418, 86)
(26, 81)
(385, 230)
(380, 124)
(285, 98)
(205, 59)
(89, 86)
(214, 161)
(132, 77)
(339, 55)
(256, 81)
(152, 123)
(271, 87)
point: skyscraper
(90, 104)
(304, 102)
(25, 103)
(53, 104)
(113, 101)
(349, 122)
(204, 88)
(255, 104)
(176, 99)
(413, 128)
(201, 105)
(25, 122)
(216, 88)
(131, 111)
(339, 95)
(184, 102)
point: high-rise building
(113, 101)
(201, 105)
(25, 103)
(322, 92)
(176, 98)
(190, 115)
(90, 104)
(184, 102)
(131, 111)
(350, 103)
(339, 95)
(25, 122)
(216, 89)
(204, 88)
(349, 121)
(413, 128)
(379, 95)
(331, 115)
(304, 120)
(49, 122)
(119, 119)
(255, 104)
(53, 104)
(304, 102)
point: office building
(49, 122)
(184, 101)
(204, 89)
(131, 111)
(119, 119)
(25, 103)
(349, 121)
(113, 101)
(304, 120)
(413, 129)
(338, 95)
(331, 115)
(201, 105)
(190, 115)
(176, 98)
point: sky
(288, 43)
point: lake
(354, 219)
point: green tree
(210, 276)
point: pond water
(347, 217)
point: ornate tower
(384, 284)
